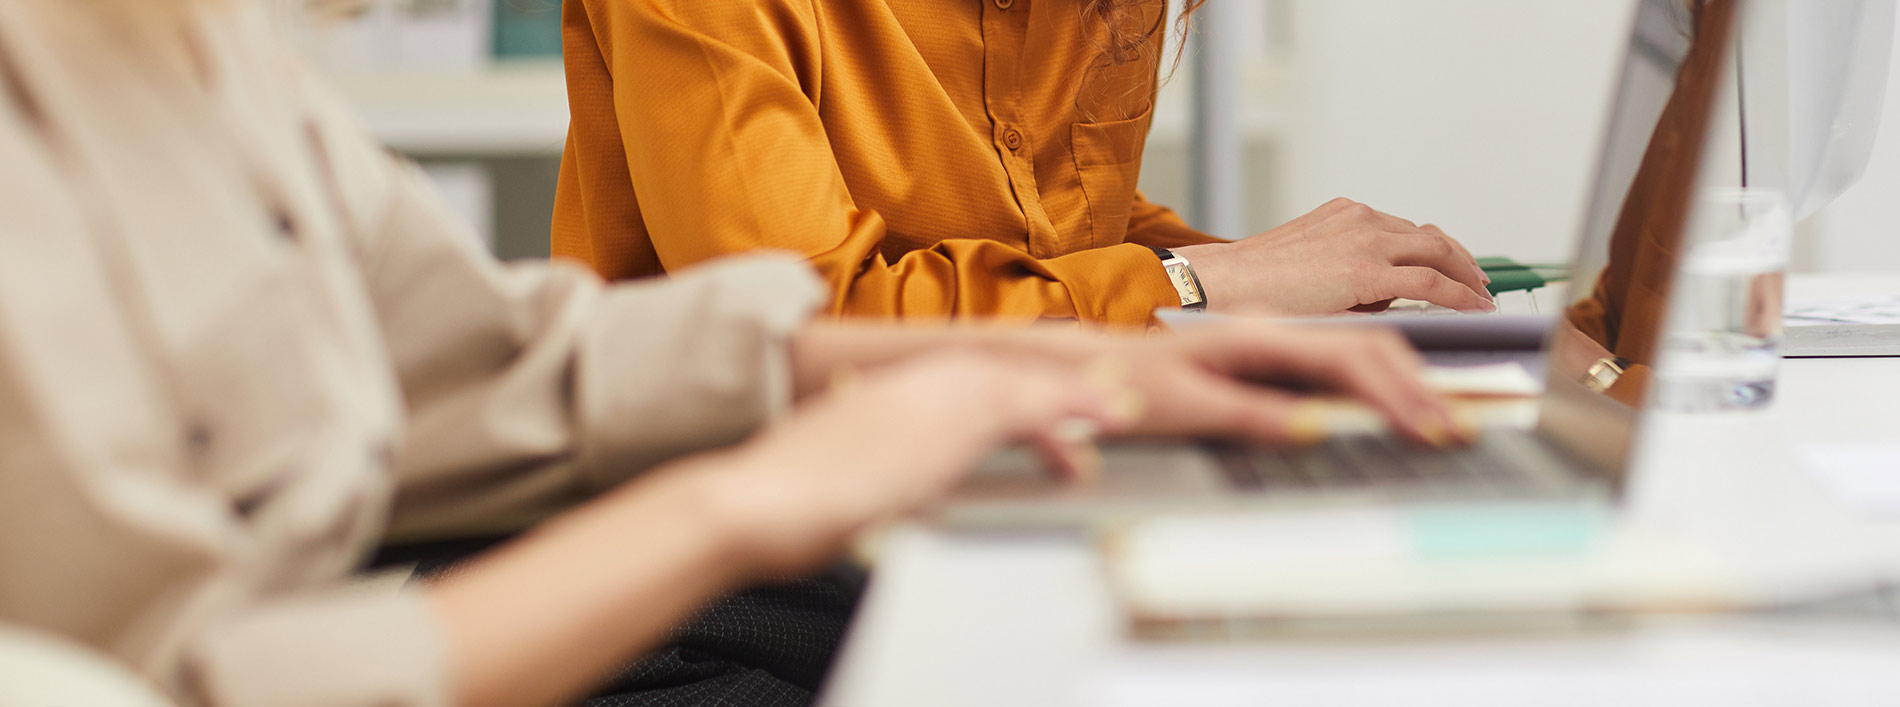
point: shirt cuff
(348, 649)
(692, 362)
(1169, 233)
(1125, 284)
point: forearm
(822, 350)
(543, 618)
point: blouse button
(1012, 139)
(198, 440)
(1005, 4)
(286, 226)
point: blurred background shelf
(515, 108)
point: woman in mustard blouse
(931, 158)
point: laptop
(1597, 352)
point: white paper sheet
(1490, 380)
(1879, 309)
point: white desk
(996, 621)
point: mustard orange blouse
(930, 157)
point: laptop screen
(1653, 156)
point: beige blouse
(239, 344)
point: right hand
(889, 442)
(1344, 256)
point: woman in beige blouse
(240, 346)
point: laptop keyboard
(1372, 460)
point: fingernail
(1465, 424)
(1087, 459)
(1307, 426)
(1489, 306)
(1111, 375)
(1076, 430)
(1128, 407)
(1434, 432)
(1077, 436)
(1109, 372)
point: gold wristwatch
(1181, 275)
(1604, 373)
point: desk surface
(961, 620)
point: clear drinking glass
(1722, 345)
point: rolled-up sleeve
(349, 648)
(528, 386)
(695, 362)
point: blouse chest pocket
(1108, 161)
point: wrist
(818, 351)
(711, 490)
(1203, 262)
(755, 515)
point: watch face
(1184, 285)
(1602, 375)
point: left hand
(1253, 381)
(888, 442)
(1343, 256)
(1250, 380)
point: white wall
(1861, 231)
(1482, 116)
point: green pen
(1508, 275)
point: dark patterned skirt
(768, 646)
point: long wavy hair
(1128, 38)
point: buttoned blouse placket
(1005, 33)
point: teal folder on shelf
(527, 28)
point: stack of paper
(1863, 326)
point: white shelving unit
(509, 121)
(514, 109)
(520, 107)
